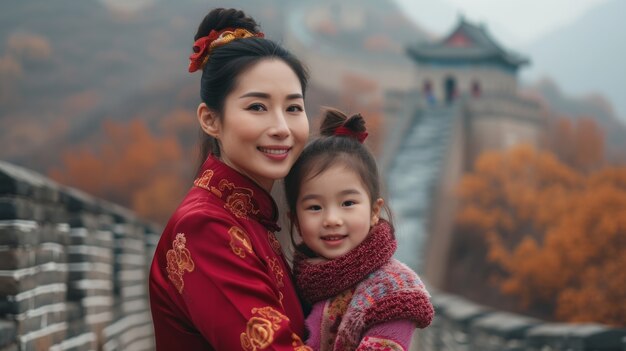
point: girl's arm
(393, 336)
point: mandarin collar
(241, 196)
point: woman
(218, 279)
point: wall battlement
(73, 268)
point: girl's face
(264, 126)
(334, 212)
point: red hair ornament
(202, 47)
(343, 131)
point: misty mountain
(66, 65)
(586, 56)
(591, 106)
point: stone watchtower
(468, 62)
(466, 103)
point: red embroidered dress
(218, 279)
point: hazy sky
(520, 21)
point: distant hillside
(560, 104)
(65, 65)
(587, 56)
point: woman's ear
(209, 121)
(378, 205)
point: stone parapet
(73, 268)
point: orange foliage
(183, 125)
(557, 235)
(578, 143)
(132, 167)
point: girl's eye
(295, 108)
(348, 203)
(256, 107)
(314, 208)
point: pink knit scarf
(319, 281)
(384, 289)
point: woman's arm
(229, 295)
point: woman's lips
(277, 153)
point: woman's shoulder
(197, 212)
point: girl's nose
(332, 219)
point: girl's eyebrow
(267, 96)
(342, 193)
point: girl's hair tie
(343, 131)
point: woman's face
(264, 126)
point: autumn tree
(556, 235)
(579, 143)
(132, 167)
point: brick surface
(17, 258)
(19, 233)
(8, 332)
(20, 208)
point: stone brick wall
(461, 325)
(73, 269)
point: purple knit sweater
(364, 299)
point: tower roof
(466, 43)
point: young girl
(363, 298)
(218, 279)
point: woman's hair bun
(221, 18)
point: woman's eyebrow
(295, 96)
(261, 95)
(255, 94)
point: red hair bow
(343, 131)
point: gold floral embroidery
(274, 243)
(269, 312)
(239, 241)
(239, 202)
(216, 192)
(280, 298)
(277, 270)
(225, 184)
(178, 261)
(259, 332)
(204, 179)
(298, 345)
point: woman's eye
(256, 107)
(348, 203)
(295, 108)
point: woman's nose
(280, 127)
